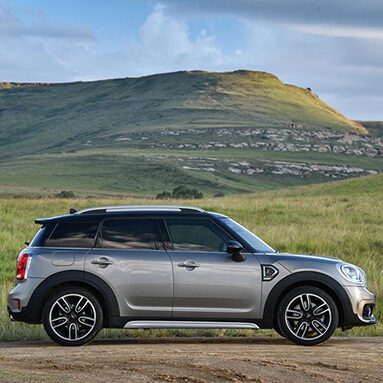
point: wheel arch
(315, 279)
(57, 281)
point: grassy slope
(375, 128)
(95, 171)
(40, 117)
(339, 218)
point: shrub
(164, 195)
(65, 194)
(181, 192)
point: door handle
(191, 264)
(102, 262)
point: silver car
(178, 267)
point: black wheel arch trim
(312, 278)
(33, 311)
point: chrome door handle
(191, 264)
(102, 262)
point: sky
(335, 47)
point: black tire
(307, 316)
(72, 316)
(278, 330)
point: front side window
(127, 234)
(72, 234)
(258, 245)
(196, 235)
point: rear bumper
(22, 306)
(28, 314)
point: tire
(307, 316)
(278, 330)
(72, 316)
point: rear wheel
(307, 316)
(72, 316)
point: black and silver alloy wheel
(307, 316)
(72, 317)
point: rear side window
(196, 235)
(128, 234)
(72, 234)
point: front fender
(328, 284)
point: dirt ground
(194, 360)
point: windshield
(248, 236)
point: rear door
(130, 258)
(207, 282)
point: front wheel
(72, 316)
(307, 316)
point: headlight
(351, 273)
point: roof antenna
(72, 211)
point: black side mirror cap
(234, 248)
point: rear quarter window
(44, 232)
(72, 234)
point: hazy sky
(333, 46)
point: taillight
(22, 267)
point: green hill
(233, 132)
(51, 116)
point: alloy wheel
(308, 316)
(72, 317)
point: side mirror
(234, 248)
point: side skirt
(145, 324)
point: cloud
(340, 31)
(366, 13)
(41, 51)
(11, 25)
(165, 44)
(33, 49)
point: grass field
(342, 219)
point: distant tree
(184, 192)
(181, 192)
(309, 89)
(65, 194)
(219, 194)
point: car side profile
(178, 267)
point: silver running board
(188, 324)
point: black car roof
(99, 216)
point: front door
(129, 257)
(207, 282)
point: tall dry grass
(342, 219)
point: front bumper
(361, 310)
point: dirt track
(195, 360)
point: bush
(65, 194)
(181, 192)
(219, 194)
(164, 195)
